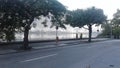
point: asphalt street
(104, 54)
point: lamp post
(111, 31)
(57, 39)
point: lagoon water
(50, 34)
(40, 32)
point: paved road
(103, 54)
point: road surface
(105, 54)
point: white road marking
(62, 44)
(70, 46)
(43, 57)
(44, 47)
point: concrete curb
(12, 51)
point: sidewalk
(12, 48)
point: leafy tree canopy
(81, 17)
(94, 16)
(89, 17)
(75, 18)
(116, 18)
(18, 15)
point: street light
(57, 39)
(110, 29)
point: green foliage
(116, 30)
(106, 30)
(81, 17)
(116, 18)
(18, 15)
(75, 18)
(114, 25)
(89, 17)
(9, 36)
(107, 27)
(94, 16)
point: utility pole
(111, 31)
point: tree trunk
(25, 40)
(90, 32)
(26, 33)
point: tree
(110, 29)
(106, 29)
(93, 16)
(8, 17)
(116, 32)
(75, 18)
(23, 12)
(88, 17)
(116, 24)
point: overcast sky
(109, 6)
